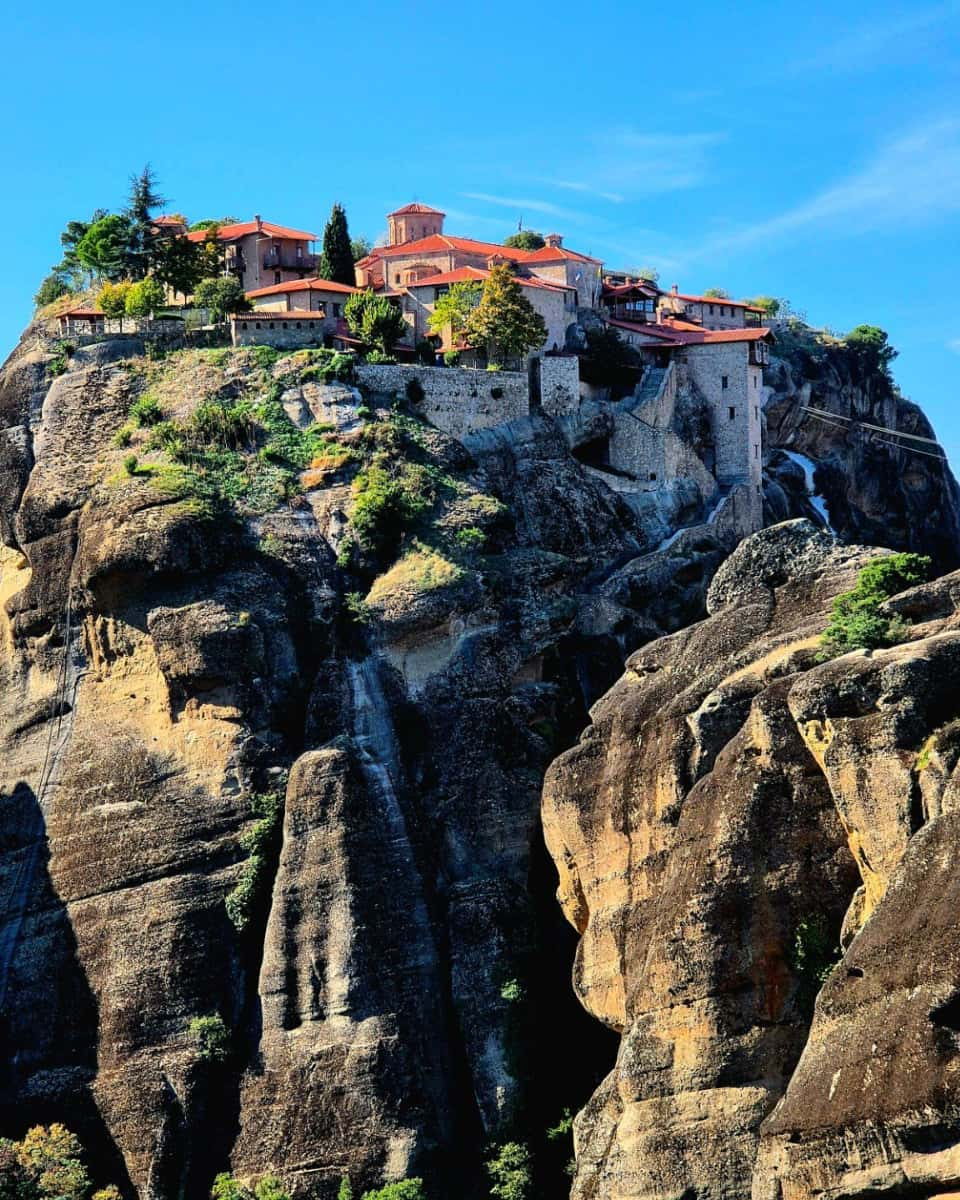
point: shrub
(494, 366)
(470, 538)
(357, 607)
(406, 1189)
(123, 437)
(857, 621)
(345, 1191)
(420, 570)
(452, 358)
(146, 411)
(46, 1164)
(813, 956)
(130, 464)
(211, 1037)
(145, 297)
(262, 844)
(379, 358)
(510, 1172)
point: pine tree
(346, 1189)
(144, 238)
(505, 321)
(336, 262)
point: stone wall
(281, 331)
(560, 384)
(455, 399)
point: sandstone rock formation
(728, 798)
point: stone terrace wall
(560, 384)
(455, 399)
(266, 329)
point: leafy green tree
(406, 1189)
(110, 1192)
(770, 305)
(360, 247)
(271, 1188)
(336, 261)
(650, 274)
(212, 254)
(105, 247)
(375, 320)
(144, 298)
(208, 223)
(345, 1191)
(716, 293)
(112, 299)
(145, 239)
(51, 1157)
(52, 288)
(871, 348)
(15, 1181)
(221, 297)
(505, 321)
(180, 265)
(70, 266)
(454, 308)
(510, 1172)
(526, 239)
(857, 621)
(225, 1187)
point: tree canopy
(360, 247)
(770, 305)
(52, 288)
(336, 261)
(103, 250)
(525, 239)
(45, 1165)
(144, 244)
(717, 293)
(375, 320)
(181, 264)
(871, 348)
(221, 296)
(454, 307)
(145, 297)
(505, 321)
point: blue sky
(805, 150)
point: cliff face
(876, 489)
(256, 770)
(733, 803)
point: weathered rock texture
(731, 792)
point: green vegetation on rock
(262, 844)
(510, 1171)
(211, 1037)
(857, 621)
(405, 1189)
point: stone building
(260, 253)
(556, 303)
(322, 297)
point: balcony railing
(273, 261)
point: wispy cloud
(639, 163)
(954, 345)
(527, 205)
(912, 180)
(589, 189)
(876, 42)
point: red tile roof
(230, 233)
(682, 333)
(165, 220)
(478, 275)
(558, 253)
(266, 314)
(416, 207)
(438, 243)
(92, 313)
(314, 284)
(715, 300)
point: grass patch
(419, 571)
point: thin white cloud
(637, 163)
(875, 42)
(573, 185)
(521, 206)
(954, 345)
(912, 180)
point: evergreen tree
(144, 237)
(52, 288)
(346, 1189)
(180, 265)
(336, 262)
(70, 266)
(374, 320)
(360, 247)
(505, 321)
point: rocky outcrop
(733, 799)
(876, 491)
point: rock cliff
(282, 669)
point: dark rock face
(876, 492)
(728, 797)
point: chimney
(257, 218)
(554, 241)
(674, 288)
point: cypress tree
(336, 262)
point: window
(396, 278)
(756, 380)
(733, 413)
(756, 412)
(276, 277)
(756, 449)
(653, 476)
(258, 325)
(336, 310)
(710, 309)
(724, 381)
